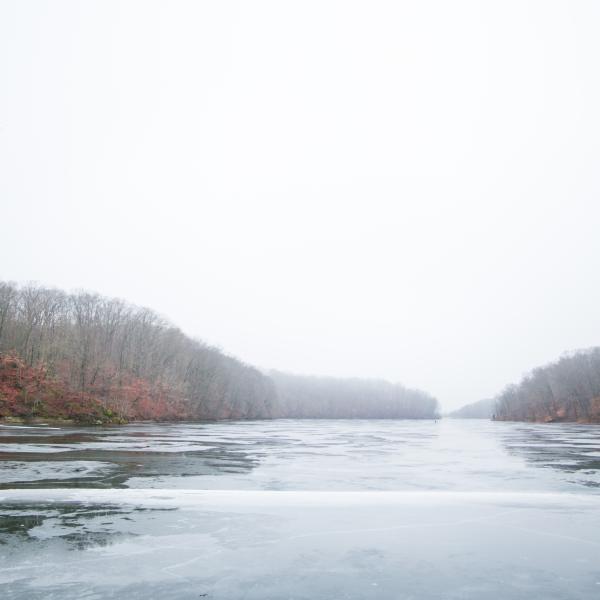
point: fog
(397, 190)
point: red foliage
(16, 383)
(27, 391)
(137, 398)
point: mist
(405, 191)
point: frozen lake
(301, 510)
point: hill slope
(566, 390)
(86, 357)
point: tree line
(305, 396)
(129, 358)
(92, 358)
(565, 390)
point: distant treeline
(483, 409)
(566, 390)
(301, 397)
(89, 358)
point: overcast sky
(400, 190)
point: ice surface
(271, 545)
(400, 510)
(23, 472)
(40, 426)
(37, 448)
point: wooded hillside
(90, 358)
(91, 349)
(566, 390)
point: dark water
(301, 509)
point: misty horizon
(272, 370)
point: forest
(303, 396)
(565, 390)
(92, 359)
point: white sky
(405, 190)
